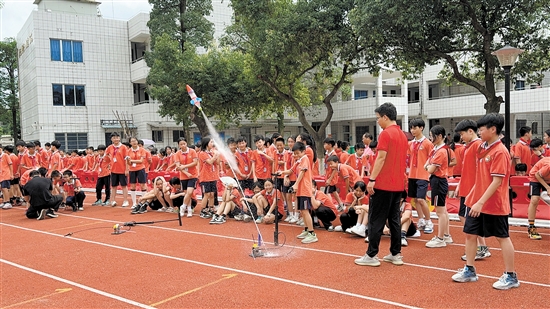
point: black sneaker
(143, 208)
(41, 214)
(136, 209)
(51, 214)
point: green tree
(9, 100)
(462, 33)
(304, 51)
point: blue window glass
(55, 50)
(80, 97)
(57, 95)
(361, 94)
(77, 51)
(69, 95)
(67, 51)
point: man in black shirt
(42, 201)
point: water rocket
(194, 100)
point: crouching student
(356, 219)
(42, 202)
(158, 198)
(323, 207)
(72, 194)
(177, 196)
(231, 198)
(408, 227)
(250, 210)
(268, 201)
(539, 182)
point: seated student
(323, 207)
(231, 199)
(351, 219)
(408, 227)
(539, 182)
(521, 169)
(266, 201)
(250, 210)
(72, 195)
(158, 198)
(42, 202)
(177, 194)
(56, 182)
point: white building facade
(78, 69)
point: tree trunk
(183, 29)
(199, 122)
(493, 104)
(281, 123)
(13, 105)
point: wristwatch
(372, 180)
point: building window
(72, 141)
(535, 127)
(68, 95)
(66, 51)
(176, 134)
(520, 85)
(519, 123)
(157, 136)
(360, 94)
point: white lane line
(322, 288)
(84, 287)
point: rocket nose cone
(189, 89)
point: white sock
(133, 195)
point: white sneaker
(113, 204)
(394, 259)
(448, 239)
(359, 230)
(125, 204)
(134, 206)
(436, 242)
(338, 228)
(366, 260)
(300, 222)
(429, 228)
(7, 206)
(163, 209)
(404, 242)
(293, 220)
(421, 224)
(170, 209)
(310, 238)
(416, 234)
(182, 211)
(288, 218)
(303, 234)
(348, 230)
(367, 239)
(189, 212)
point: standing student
(438, 166)
(303, 189)
(103, 167)
(15, 191)
(539, 181)
(488, 203)
(117, 154)
(522, 152)
(367, 138)
(419, 151)
(547, 143)
(356, 160)
(386, 184)
(42, 154)
(6, 176)
(537, 150)
(208, 175)
(136, 166)
(468, 133)
(458, 149)
(289, 181)
(262, 162)
(280, 164)
(187, 161)
(244, 162)
(310, 152)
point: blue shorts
(535, 188)
(304, 203)
(418, 188)
(330, 189)
(188, 183)
(439, 187)
(5, 184)
(209, 186)
(138, 176)
(119, 179)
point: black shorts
(14, 181)
(440, 188)
(189, 183)
(279, 184)
(285, 188)
(304, 203)
(247, 184)
(138, 176)
(330, 189)
(463, 207)
(487, 225)
(418, 188)
(119, 179)
(209, 186)
(155, 205)
(178, 201)
(5, 184)
(535, 188)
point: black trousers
(77, 200)
(103, 182)
(348, 219)
(32, 211)
(384, 205)
(325, 215)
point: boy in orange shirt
(539, 181)
(489, 203)
(323, 207)
(15, 191)
(55, 158)
(72, 194)
(208, 176)
(6, 175)
(303, 189)
(522, 152)
(103, 167)
(356, 160)
(419, 151)
(262, 161)
(331, 175)
(438, 167)
(118, 155)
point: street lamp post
(507, 57)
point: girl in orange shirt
(208, 175)
(136, 166)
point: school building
(83, 76)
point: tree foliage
(304, 51)
(463, 34)
(9, 101)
